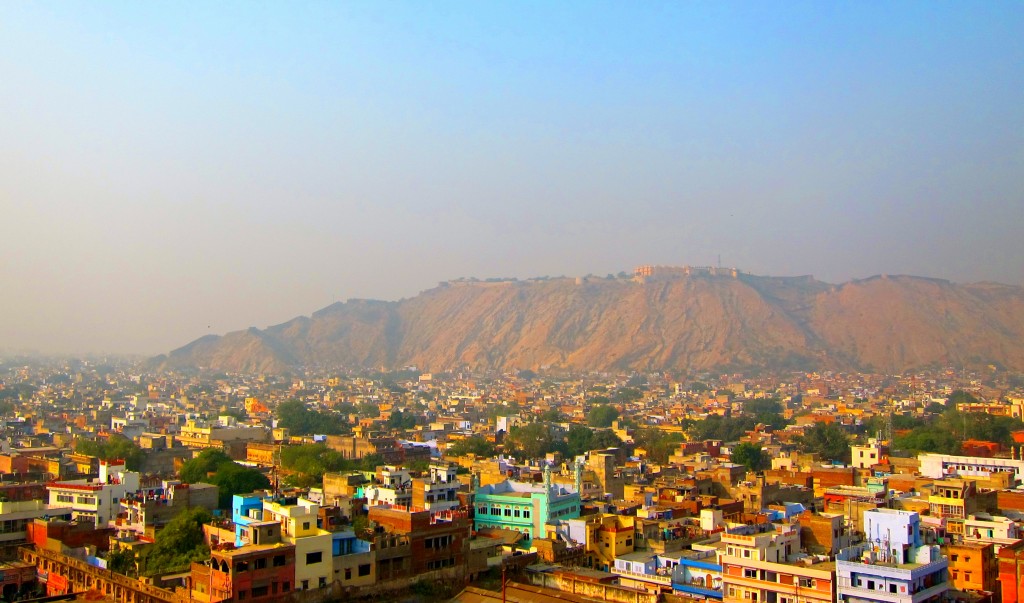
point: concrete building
(439, 490)
(869, 455)
(252, 573)
(938, 466)
(225, 431)
(892, 565)
(974, 566)
(525, 507)
(95, 500)
(144, 513)
(768, 566)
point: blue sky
(169, 170)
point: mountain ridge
(661, 319)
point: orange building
(974, 566)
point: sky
(170, 170)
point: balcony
(658, 579)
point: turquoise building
(525, 507)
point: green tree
(960, 397)
(232, 478)
(368, 410)
(400, 420)
(551, 415)
(827, 440)
(206, 462)
(658, 444)
(627, 394)
(530, 441)
(602, 416)
(751, 456)
(297, 418)
(179, 544)
(122, 560)
(116, 447)
(214, 467)
(476, 445)
(605, 438)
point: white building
(96, 500)
(892, 566)
(938, 466)
(864, 457)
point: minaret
(578, 482)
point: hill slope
(692, 322)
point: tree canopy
(214, 467)
(177, 545)
(752, 456)
(829, 441)
(602, 415)
(297, 418)
(476, 444)
(116, 447)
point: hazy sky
(172, 169)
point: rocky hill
(690, 321)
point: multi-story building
(201, 435)
(525, 507)
(313, 545)
(869, 455)
(768, 566)
(973, 566)
(892, 565)
(259, 519)
(145, 513)
(439, 490)
(16, 515)
(262, 572)
(604, 537)
(408, 543)
(95, 500)
(1011, 572)
(393, 488)
(937, 466)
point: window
(629, 542)
(279, 561)
(305, 525)
(364, 569)
(871, 585)
(259, 564)
(954, 558)
(287, 587)
(892, 588)
(481, 511)
(809, 582)
(241, 595)
(323, 582)
(526, 514)
(516, 513)
(260, 591)
(746, 553)
(508, 512)
(312, 558)
(305, 585)
(749, 573)
(348, 573)
(243, 566)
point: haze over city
(173, 170)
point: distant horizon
(169, 171)
(309, 313)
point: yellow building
(314, 564)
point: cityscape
(407, 485)
(582, 301)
